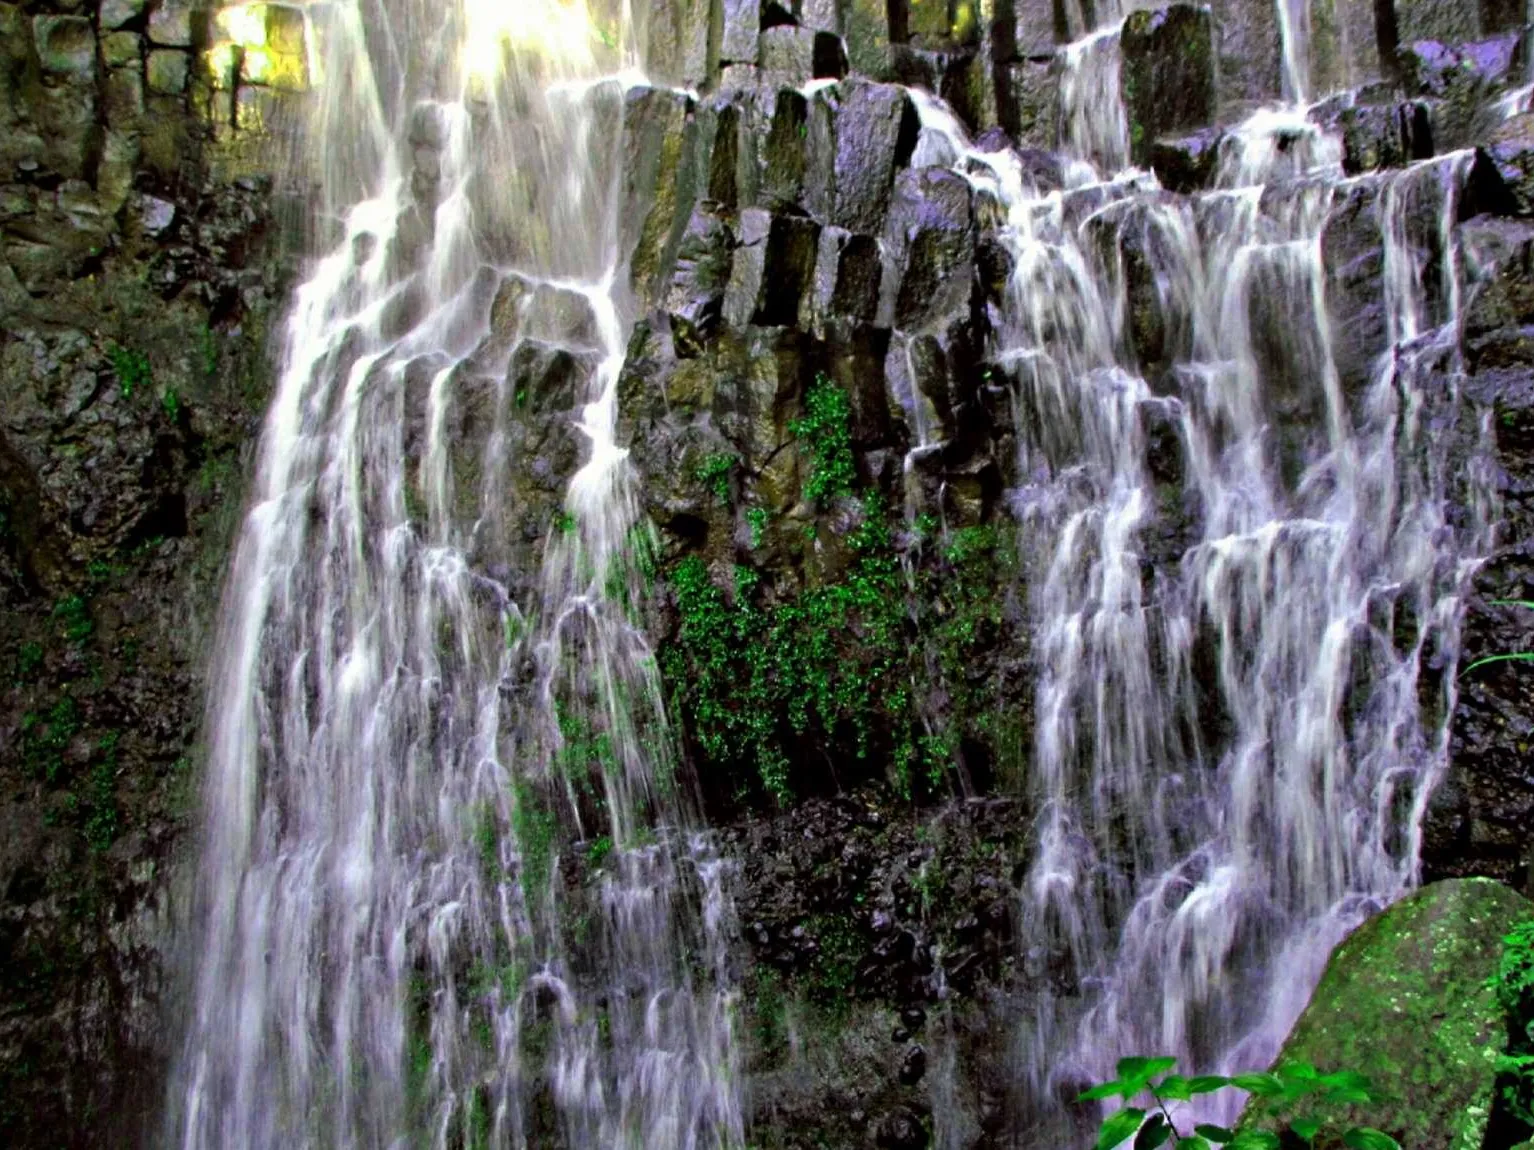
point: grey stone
(1167, 74)
(170, 24)
(168, 72)
(65, 44)
(119, 13)
(876, 131)
(121, 49)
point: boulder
(1167, 76)
(931, 239)
(1406, 1001)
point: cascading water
(386, 953)
(1233, 754)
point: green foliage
(1294, 1084)
(132, 368)
(73, 618)
(29, 661)
(564, 523)
(534, 828)
(171, 402)
(825, 430)
(822, 663)
(598, 850)
(715, 471)
(100, 804)
(756, 520)
(1513, 984)
(45, 738)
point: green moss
(1406, 1000)
(73, 618)
(132, 368)
(534, 826)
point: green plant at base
(171, 402)
(597, 852)
(825, 429)
(1289, 1085)
(1513, 984)
(132, 368)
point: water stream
(386, 953)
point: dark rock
(1167, 74)
(1187, 163)
(1376, 136)
(914, 1017)
(658, 184)
(913, 1066)
(1511, 149)
(902, 1129)
(931, 239)
(876, 130)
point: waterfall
(1234, 751)
(406, 744)
(454, 888)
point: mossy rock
(1405, 1000)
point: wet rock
(695, 297)
(791, 56)
(1250, 55)
(1376, 136)
(1431, 957)
(1459, 84)
(742, 31)
(658, 180)
(1028, 99)
(170, 24)
(876, 130)
(848, 272)
(931, 239)
(1167, 74)
(1187, 163)
(66, 45)
(913, 1066)
(902, 1129)
(120, 13)
(1511, 149)
(679, 52)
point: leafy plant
(1290, 1085)
(132, 368)
(756, 520)
(171, 402)
(714, 473)
(825, 428)
(1513, 984)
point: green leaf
(1255, 1140)
(1512, 603)
(1174, 1087)
(1347, 1094)
(1514, 657)
(1119, 1127)
(1207, 1083)
(1297, 1069)
(1263, 1085)
(1305, 1127)
(1214, 1133)
(1347, 1079)
(1141, 1070)
(1193, 1142)
(1097, 1093)
(1153, 1133)
(1367, 1138)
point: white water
(386, 950)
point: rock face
(850, 572)
(1406, 1001)
(140, 281)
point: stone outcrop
(141, 279)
